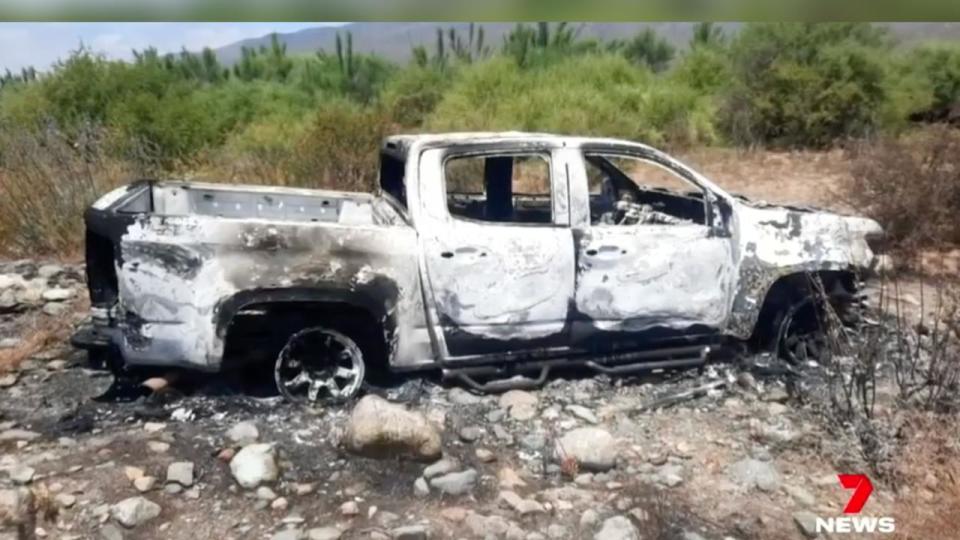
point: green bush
(606, 96)
(413, 94)
(806, 84)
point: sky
(42, 44)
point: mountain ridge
(395, 40)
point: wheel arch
(365, 318)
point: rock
(158, 446)
(593, 449)
(670, 475)
(588, 519)
(54, 309)
(56, 365)
(470, 433)
(324, 533)
(154, 427)
(65, 500)
(800, 495)
(420, 487)
(172, 489)
(534, 441)
(378, 428)
(455, 514)
(520, 505)
(443, 466)
(243, 433)
(460, 396)
(749, 472)
(349, 508)
(484, 455)
(254, 464)
(144, 484)
(8, 301)
(807, 523)
(519, 404)
(180, 472)
(134, 511)
(509, 478)
(9, 342)
(22, 474)
(458, 483)
(776, 394)
(410, 532)
(110, 532)
(57, 294)
(280, 503)
(557, 532)
(287, 534)
(8, 380)
(49, 271)
(266, 494)
(746, 381)
(617, 528)
(17, 434)
(156, 384)
(17, 507)
(582, 413)
(486, 526)
(132, 473)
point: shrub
(414, 93)
(339, 147)
(938, 67)
(806, 84)
(606, 96)
(47, 180)
(911, 185)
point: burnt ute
(484, 255)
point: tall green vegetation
(314, 119)
(806, 84)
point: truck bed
(246, 202)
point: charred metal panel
(777, 241)
(633, 278)
(177, 270)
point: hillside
(394, 40)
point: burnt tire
(319, 365)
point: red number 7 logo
(862, 488)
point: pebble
(349, 508)
(458, 483)
(180, 472)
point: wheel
(803, 334)
(319, 365)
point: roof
(401, 143)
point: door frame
(434, 212)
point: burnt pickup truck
(493, 257)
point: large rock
(17, 509)
(134, 511)
(180, 472)
(749, 473)
(379, 429)
(593, 449)
(617, 528)
(458, 483)
(243, 433)
(520, 404)
(254, 464)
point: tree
(648, 49)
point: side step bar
(615, 364)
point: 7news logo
(852, 523)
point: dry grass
(46, 183)
(930, 466)
(911, 185)
(797, 177)
(39, 332)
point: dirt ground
(752, 456)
